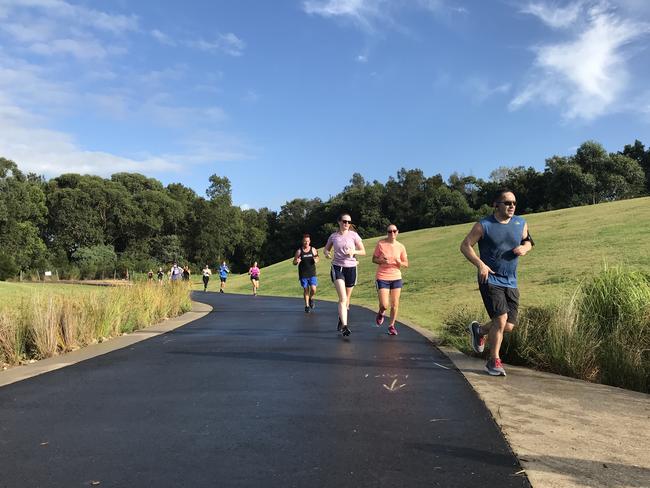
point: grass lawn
(16, 291)
(570, 245)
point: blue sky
(288, 98)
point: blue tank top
(496, 247)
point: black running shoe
(311, 303)
(307, 309)
(339, 325)
(345, 331)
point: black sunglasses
(508, 203)
(346, 221)
(392, 231)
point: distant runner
(306, 258)
(254, 273)
(176, 272)
(206, 277)
(346, 244)
(223, 276)
(161, 275)
(390, 255)
(502, 238)
(186, 273)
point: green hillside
(570, 244)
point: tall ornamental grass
(601, 333)
(47, 324)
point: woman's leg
(341, 291)
(394, 304)
(384, 299)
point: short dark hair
(499, 193)
(306, 235)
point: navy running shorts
(349, 275)
(389, 284)
(499, 300)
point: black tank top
(307, 265)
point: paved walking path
(256, 393)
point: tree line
(89, 226)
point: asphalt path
(256, 394)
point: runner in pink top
(346, 243)
(254, 273)
(390, 255)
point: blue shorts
(349, 275)
(311, 281)
(389, 284)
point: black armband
(528, 239)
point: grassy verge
(601, 333)
(54, 320)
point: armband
(528, 239)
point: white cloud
(553, 16)
(74, 14)
(362, 58)
(588, 74)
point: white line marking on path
(440, 365)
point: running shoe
(307, 309)
(494, 367)
(311, 303)
(379, 318)
(339, 325)
(220, 291)
(478, 340)
(392, 330)
(345, 331)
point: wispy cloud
(162, 38)
(371, 15)
(554, 16)
(480, 89)
(588, 74)
(227, 43)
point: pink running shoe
(392, 330)
(379, 318)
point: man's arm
(467, 248)
(526, 243)
(316, 256)
(296, 257)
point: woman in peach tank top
(391, 256)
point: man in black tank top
(306, 258)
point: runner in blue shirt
(223, 276)
(502, 238)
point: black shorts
(499, 300)
(223, 280)
(255, 278)
(349, 275)
(206, 279)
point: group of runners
(501, 237)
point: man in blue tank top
(502, 238)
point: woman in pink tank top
(342, 247)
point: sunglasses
(392, 231)
(509, 203)
(346, 221)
